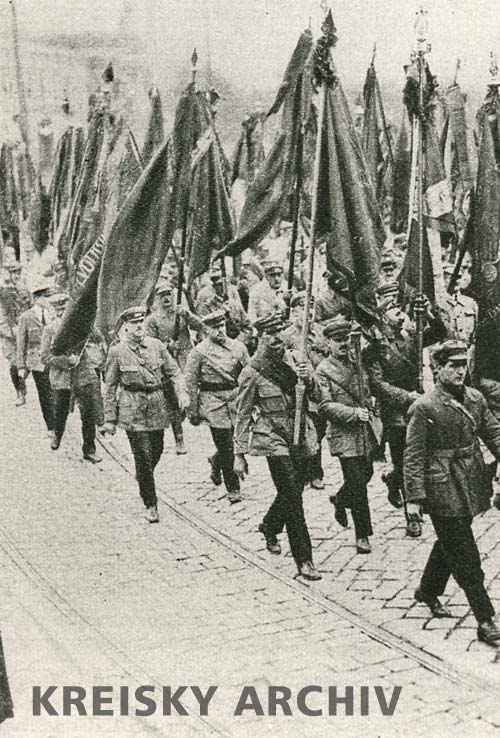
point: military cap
(133, 314)
(450, 351)
(269, 266)
(215, 318)
(40, 287)
(14, 266)
(59, 299)
(298, 298)
(337, 326)
(216, 275)
(390, 289)
(388, 259)
(163, 287)
(270, 323)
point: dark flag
(155, 134)
(348, 212)
(401, 176)
(269, 194)
(249, 152)
(371, 134)
(138, 242)
(39, 218)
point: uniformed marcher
(265, 427)
(14, 300)
(445, 473)
(74, 375)
(213, 298)
(212, 372)
(161, 324)
(392, 365)
(136, 370)
(353, 431)
(29, 337)
(316, 349)
(269, 294)
(461, 310)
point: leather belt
(456, 453)
(216, 386)
(146, 390)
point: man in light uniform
(269, 294)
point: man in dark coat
(444, 471)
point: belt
(456, 453)
(146, 390)
(216, 386)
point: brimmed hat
(388, 259)
(450, 351)
(214, 319)
(163, 287)
(270, 323)
(133, 314)
(59, 299)
(336, 327)
(40, 287)
(299, 297)
(216, 275)
(269, 266)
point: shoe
(437, 609)
(317, 484)
(152, 514)
(309, 571)
(55, 443)
(216, 474)
(234, 497)
(363, 546)
(340, 512)
(272, 543)
(488, 633)
(20, 399)
(413, 529)
(51, 434)
(93, 458)
(180, 448)
(394, 496)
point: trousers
(315, 462)
(396, 437)
(88, 414)
(147, 448)
(455, 553)
(289, 474)
(223, 458)
(44, 390)
(357, 472)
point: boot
(20, 399)
(363, 546)
(340, 512)
(152, 514)
(233, 495)
(272, 543)
(215, 474)
(394, 495)
(309, 571)
(180, 448)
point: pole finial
(374, 54)
(421, 27)
(194, 63)
(494, 72)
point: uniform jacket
(392, 366)
(13, 302)
(135, 374)
(490, 389)
(347, 436)
(217, 405)
(443, 463)
(29, 337)
(237, 320)
(62, 374)
(161, 325)
(461, 317)
(266, 416)
(328, 304)
(317, 347)
(263, 299)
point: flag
(348, 212)
(138, 241)
(39, 218)
(401, 176)
(438, 222)
(371, 133)
(268, 195)
(249, 152)
(155, 134)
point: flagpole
(23, 109)
(295, 221)
(185, 218)
(421, 31)
(323, 69)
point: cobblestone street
(90, 594)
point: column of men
(155, 376)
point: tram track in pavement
(429, 661)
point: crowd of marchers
(231, 358)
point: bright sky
(251, 40)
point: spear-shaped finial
(323, 67)
(422, 31)
(194, 63)
(374, 54)
(495, 80)
(457, 69)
